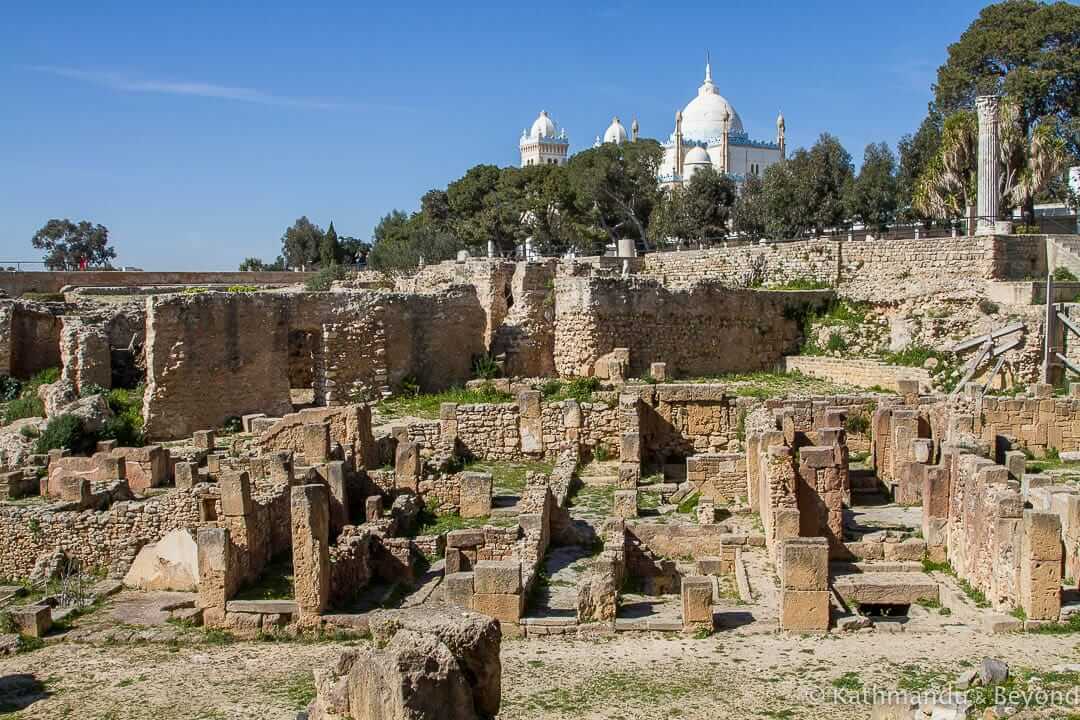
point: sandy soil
(728, 675)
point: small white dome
(697, 156)
(543, 126)
(615, 133)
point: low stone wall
(17, 283)
(107, 539)
(699, 330)
(860, 373)
(1038, 423)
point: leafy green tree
(825, 174)
(786, 202)
(354, 250)
(873, 194)
(1022, 49)
(615, 187)
(916, 152)
(748, 214)
(68, 245)
(482, 209)
(301, 243)
(709, 199)
(255, 264)
(435, 206)
(330, 252)
(400, 241)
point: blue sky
(197, 132)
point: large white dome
(703, 117)
(542, 126)
(697, 156)
(615, 133)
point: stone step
(883, 588)
(265, 607)
(874, 566)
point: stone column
(217, 576)
(310, 513)
(989, 191)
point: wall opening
(303, 350)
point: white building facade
(543, 143)
(708, 132)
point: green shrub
(232, 425)
(325, 278)
(92, 389)
(42, 377)
(66, 432)
(126, 425)
(195, 290)
(580, 389)
(10, 388)
(24, 407)
(29, 431)
(857, 424)
(987, 307)
(1064, 274)
(485, 367)
(410, 386)
(600, 453)
(242, 289)
(836, 342)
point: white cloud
(127, 83)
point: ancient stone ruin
(554, 450)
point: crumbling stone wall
(215, 355)
(860, 373)
(700, 330)
(29, 337)
(1038, 423)
(527, 334)
(107, 539)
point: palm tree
(947, 187)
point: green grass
(27, 403)
(800, 283)
(848, 681)
(765, 384)
(974, 594)
(275, 583)
(690, 503)
(426, 405)
(648, 500)
(608, 691)
(433, 522)
(508, 478)
(580, 389)
(919, 678)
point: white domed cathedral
(708, 131)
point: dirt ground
(727, 675)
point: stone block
(1042, 536)
(32, 620)
(497, 577)
(309, 509)
(217, 580)
(697, 595)
(338, 495)
(455, 561)
(710, 566)
(408, 466)
(804, 611)
(475, 494)
(629, 475)
(625, 504)
(910, 550)
(907, 387)
(246, 420)
(817, 457)
(805, 564)
(1015, 463)
(787, 524)
(922, 450)
(464, 538)
(235, 489)
(76, 489)
(373, 507)
(658, 371)
(316, 442)
(261, 425)
(866, 550)
(110, 468)
(203, 439)
(458, 589)
(186, 474)
(504, 608)
(1040, 589)
(630, 447)
(105, 446)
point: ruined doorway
(304, 348)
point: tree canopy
(69, 245)
(1026, 50)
